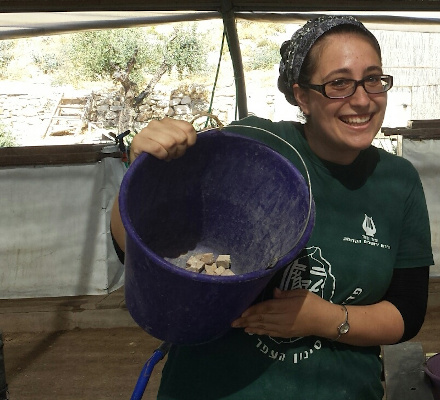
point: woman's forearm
(297, 313)
(375, 324)
(116, 225)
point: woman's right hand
(166, 139)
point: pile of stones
(206, 263)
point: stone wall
(182, 103)
(27, 112)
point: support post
(237, 63)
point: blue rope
(147, 370)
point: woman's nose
(360, 96)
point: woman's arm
(408, 292)
(398, 317)
(166, 139)
(297, 313)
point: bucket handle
(309, 213)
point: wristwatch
(345, 326)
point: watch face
(344, 328)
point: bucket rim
(253, 275)
(428, 371)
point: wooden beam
(417, 133)
(424, 123)
(54, 155)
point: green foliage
(6, 55)
(6, 138)
(254, 30)
(185, 51)
(265, 55)
(47, 62)
(97, 55)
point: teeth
(356, 120)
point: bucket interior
(433, 368)
(227, 195)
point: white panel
(54, 230)
(425, 157)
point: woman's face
(338, 129)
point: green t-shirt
(371, 217)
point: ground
(95, 364)
(81, 364)
(86, 363)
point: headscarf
(294, 51)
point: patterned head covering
(294, 51)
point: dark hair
(310, 62)
(294, 51)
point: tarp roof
(20, 18)
(218, 5)
(17, 25)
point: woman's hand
(292, 313)
(298, 313)
(166, 139)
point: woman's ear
(302, 98)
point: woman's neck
(327, 152)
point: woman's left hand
(292, 313)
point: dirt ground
(82, 364)
(97, 364)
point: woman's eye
(373, 80)
(340, 83)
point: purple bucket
(432, 369)
(227, 195)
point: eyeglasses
(342, 88)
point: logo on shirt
(369, 227)
(310, 271)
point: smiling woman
(361, 280)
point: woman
(362, 279)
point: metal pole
(3, 385)
(234, 49)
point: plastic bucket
(228, 195)
(432, 369)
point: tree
(127, 56)
(6, 55)
(6, 137)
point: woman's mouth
(356, 119)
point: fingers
(257, 316)
(276, 317)
(166, 139)
(263, 324)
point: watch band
(345, 326)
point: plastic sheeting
(424, 155)
(55, 237)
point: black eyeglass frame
(321, 88)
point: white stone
(220, 270)
(224, 260)
(185, 100)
